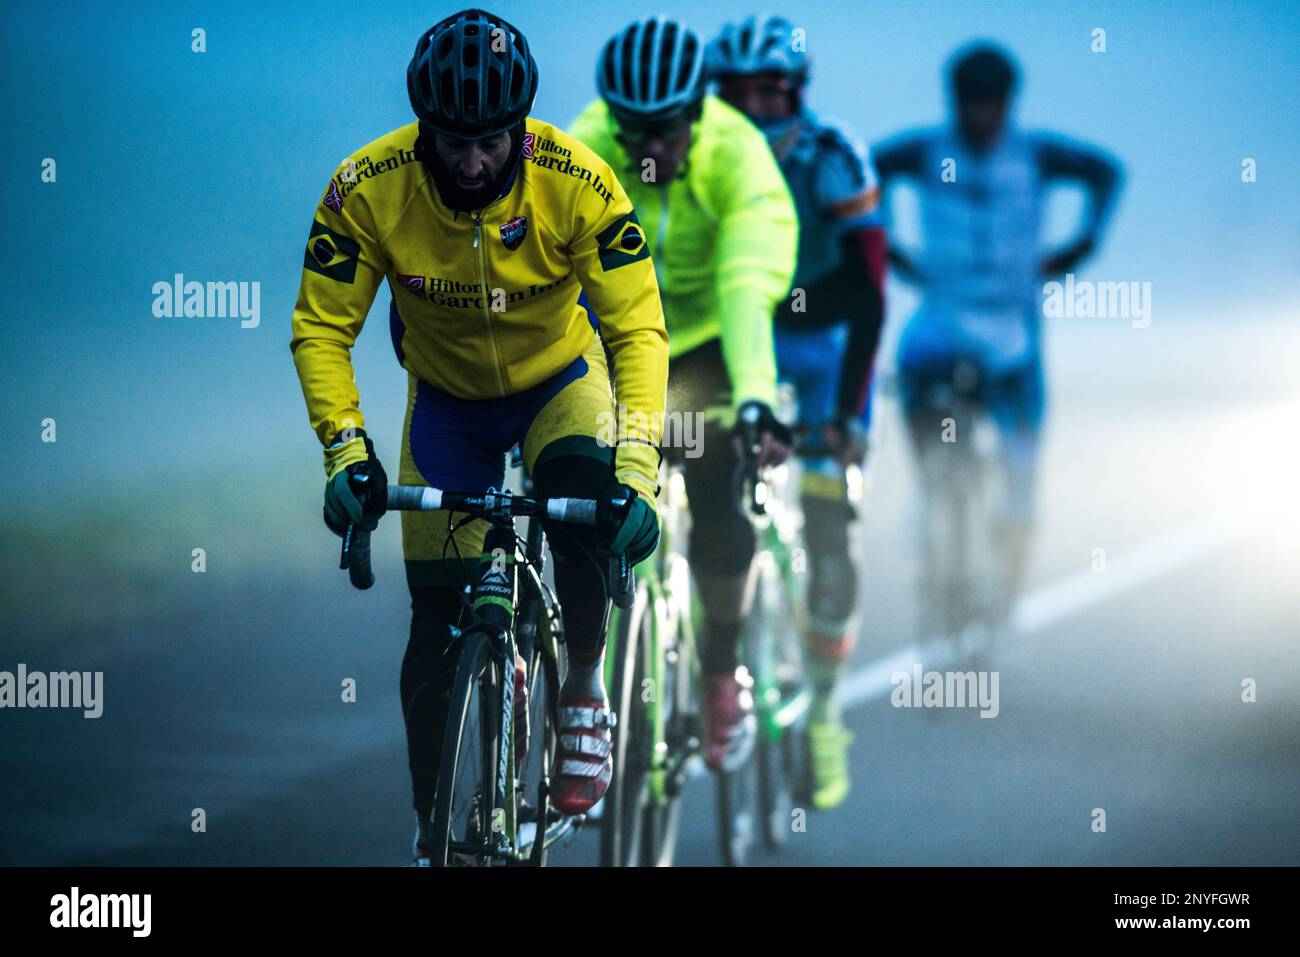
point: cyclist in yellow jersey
(487, 245)
(721, 224)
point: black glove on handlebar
(358, 494)
(754, 420)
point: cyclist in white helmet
(827, 332)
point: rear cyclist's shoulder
(833, 137)
(723, 133)
(912, 152)
(839, 157)
(729, 150)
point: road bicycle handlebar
(493, 505)
(751, 485)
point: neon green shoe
(828, 749)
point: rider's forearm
(756, 248)
(864, 253)
(328, 383)
(640, 382)
(1063, 159)
(904, 266)
(621, 287)
(638, 343)
(756, 268)
(341, 274)
(748, 349)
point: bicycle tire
(473, 716)
(620, 824)
(778, 770)
(739, 791)
(543, 708)
(660, 823)
(738, 812)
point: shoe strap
(586, 718)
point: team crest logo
(512, 233)
(529, 139)
(413, 284)
(333, 198)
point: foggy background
(1171, 447)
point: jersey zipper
(481, 258)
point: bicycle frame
(963, 480)
(667, 581)
(777, 709)
(498, 616)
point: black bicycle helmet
(982, 71)
(652, 70)
(472, 76)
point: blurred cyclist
(486, 249)
(722, 227)
(982, 184)
(826, 337)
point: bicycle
(652, 670)
(960, 581)
(480, 816)
(767, 787)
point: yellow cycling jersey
(724, 235)
(487, 302)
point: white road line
(1066, 596)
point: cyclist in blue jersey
(827, 331)
(982, 183)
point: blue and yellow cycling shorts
(462, 444)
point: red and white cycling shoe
(730, 725)
(584, 761)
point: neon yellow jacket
(488, 302)
(724, 237)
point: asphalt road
(1172, 449)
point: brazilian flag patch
(331, 254)
(622, 242)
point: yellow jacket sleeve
(612, 260)
(342, 269)
(758, 241)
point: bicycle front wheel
(465, 800)
(534, 781)
(678, 743)
(777, 650)
(620, 833)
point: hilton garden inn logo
(56, 689)
(211, 300)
